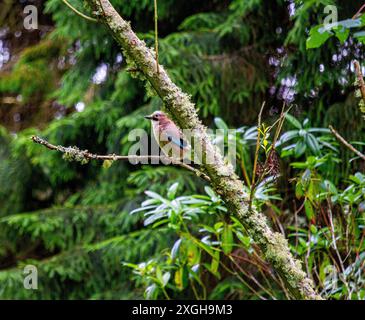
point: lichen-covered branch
(83, 156)
(223, 179)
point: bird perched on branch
(168, 136)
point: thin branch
(257, 145)
(78, 12)
(251, 276)
(83, 156)
(333, 235)
(346, 144)
(334, 245)
(280, 125)
(358, 12)
(256, 156)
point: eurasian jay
(168, 136)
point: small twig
(360, 79)
(346, 144)
(257, 145)
(256, 155)
(251, 276)
(280, 125)
(83, 156)
(334, 245)
(280, 122)
(333, 235)
(78, 12)
(358, 12)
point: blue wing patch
(179, 142)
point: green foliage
(202, 245)
(15, 172)
(80, 241)
(341, 29)
(32, 75)
(72, 221)
(303, 139)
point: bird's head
(157, 116)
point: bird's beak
(148, 117)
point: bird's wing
(180, 142)
(174, 135)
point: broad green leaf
(159, 274)
(299, 190)
(181, 278)
(151, 219)
(154, 195)
(227, 239)
(107, 164)
(285, 137)
(313, 229)
(218, 225)
(299, 149)
(309, 209)
(342, 34)
(175, 248)
(329, 187)
(142, 209)
(220, 124)
(313, 143)
(317, 37)
(209, 192)
(293, 121)
(171, 193)
(205, 247)
(166, 278)
(193, 252)
(244, 239)
(208, 228)
(215, 262)
(151, 292)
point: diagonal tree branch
(223, 179)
